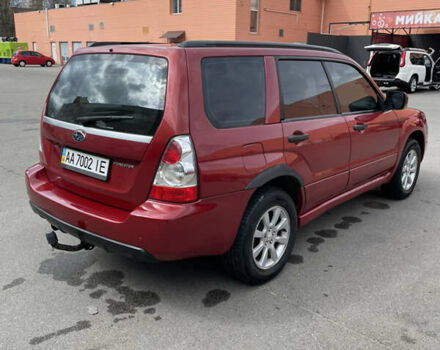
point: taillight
(176, 176)
(370, 59)
(402, 59)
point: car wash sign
(405, 19)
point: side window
(234, 91)
(305, 89)
(416, 59)
(354, 92)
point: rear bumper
(153, 230)
(391, 82)
(107, 244)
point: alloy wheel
(271, 237)
(409, 170)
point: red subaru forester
(162, 152)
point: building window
(176, 6)
(34, 46)
(52, 28)
(101, 25)
(281, 33)
(295, 5)
(91, 27)
(76, 45)
(254, 16)
(64, 51)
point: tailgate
(110, 107)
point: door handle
(359, 127)
(297, 138)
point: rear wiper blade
(92, 118)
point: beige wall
(275, 15)
(143, 20)
(147, 20)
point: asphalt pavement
(363, 276)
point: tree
(6, 19)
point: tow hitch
(52, 239)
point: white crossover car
(408, 68)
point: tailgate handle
(360, 127)
(297, 138)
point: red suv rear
(22, 58)
(215, 148)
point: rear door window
(234, 90)
(305, 89)
(354, 92)
(416, 59)
(116, 92)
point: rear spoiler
(384, 47)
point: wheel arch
(283, 177)
(420, 138)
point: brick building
(59, 32)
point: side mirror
(396, 100)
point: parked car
(407, 68)
(215, 148)
(22, 58)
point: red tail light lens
(176, 176)
(177, 195)
(402, 59)
(172, 154)
(370, 59)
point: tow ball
(52, 239)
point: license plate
(85, 163)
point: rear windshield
(386, 58)
(124, 93)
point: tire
(48, 64)
(243, 261)
(16, 65)
(397, 188)
(22, 63)
(412, 85)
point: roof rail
(104, 43)
(256, 44)
(414, 49)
